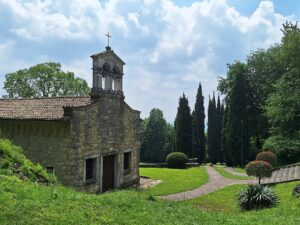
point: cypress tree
(224, 149)
(211, 131)
(218, 131)
(239, 104)
(198, 118)
(183, 127)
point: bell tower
(107, 73)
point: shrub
(177, 160)
(259, 169)
(267, 156)
(296, 191)
(257, 197)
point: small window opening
(90, 169)
(127, 161)
(50, 169)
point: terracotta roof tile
(39, 108)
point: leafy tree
(283, 105)
(44, 80)
(154, 137)
(183, 127)
(198, 120)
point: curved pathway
(215, 182)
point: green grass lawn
(224, 200)
(29, 203)
(229, 175)
(239, 170)
(174, 180)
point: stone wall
(45, 142)
(107, 127)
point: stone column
(99, 81)
(94, 80)
(118, 85)
(108, 83)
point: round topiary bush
(257, 197)
(259, 169)
(267, 156)
(177, 160)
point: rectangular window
(50, 169)
(90, 169)
(127, 161)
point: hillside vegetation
(13, 162)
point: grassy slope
(22, 202)
(175, 180)
(229, 175)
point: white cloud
(168, 49)
(134, 17)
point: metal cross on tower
(108, 36)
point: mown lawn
(28, 203)
(226, 174)
(174, 180)
(224, 200)
(239, 170)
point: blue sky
(168, 46)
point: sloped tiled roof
(51, 108)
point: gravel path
(215, 182)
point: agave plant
(257, 196)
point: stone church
(91, 143)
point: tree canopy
(157, 138)
(270, 99)
(44, 80)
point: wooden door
(108, 179)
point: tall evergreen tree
(218, 130)
(183, 127)
(211, 131)
(225, 152)
(239, 107)
(198, 120)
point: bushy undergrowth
(287, 149)
(267, 156)
(14, 162)
(257, 197)
(177, 160)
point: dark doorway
(108, 180)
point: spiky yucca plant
(256, 196)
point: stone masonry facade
(87, 142)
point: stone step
(297, 172)
(291, 173)
(280, 173)
(284, 174)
